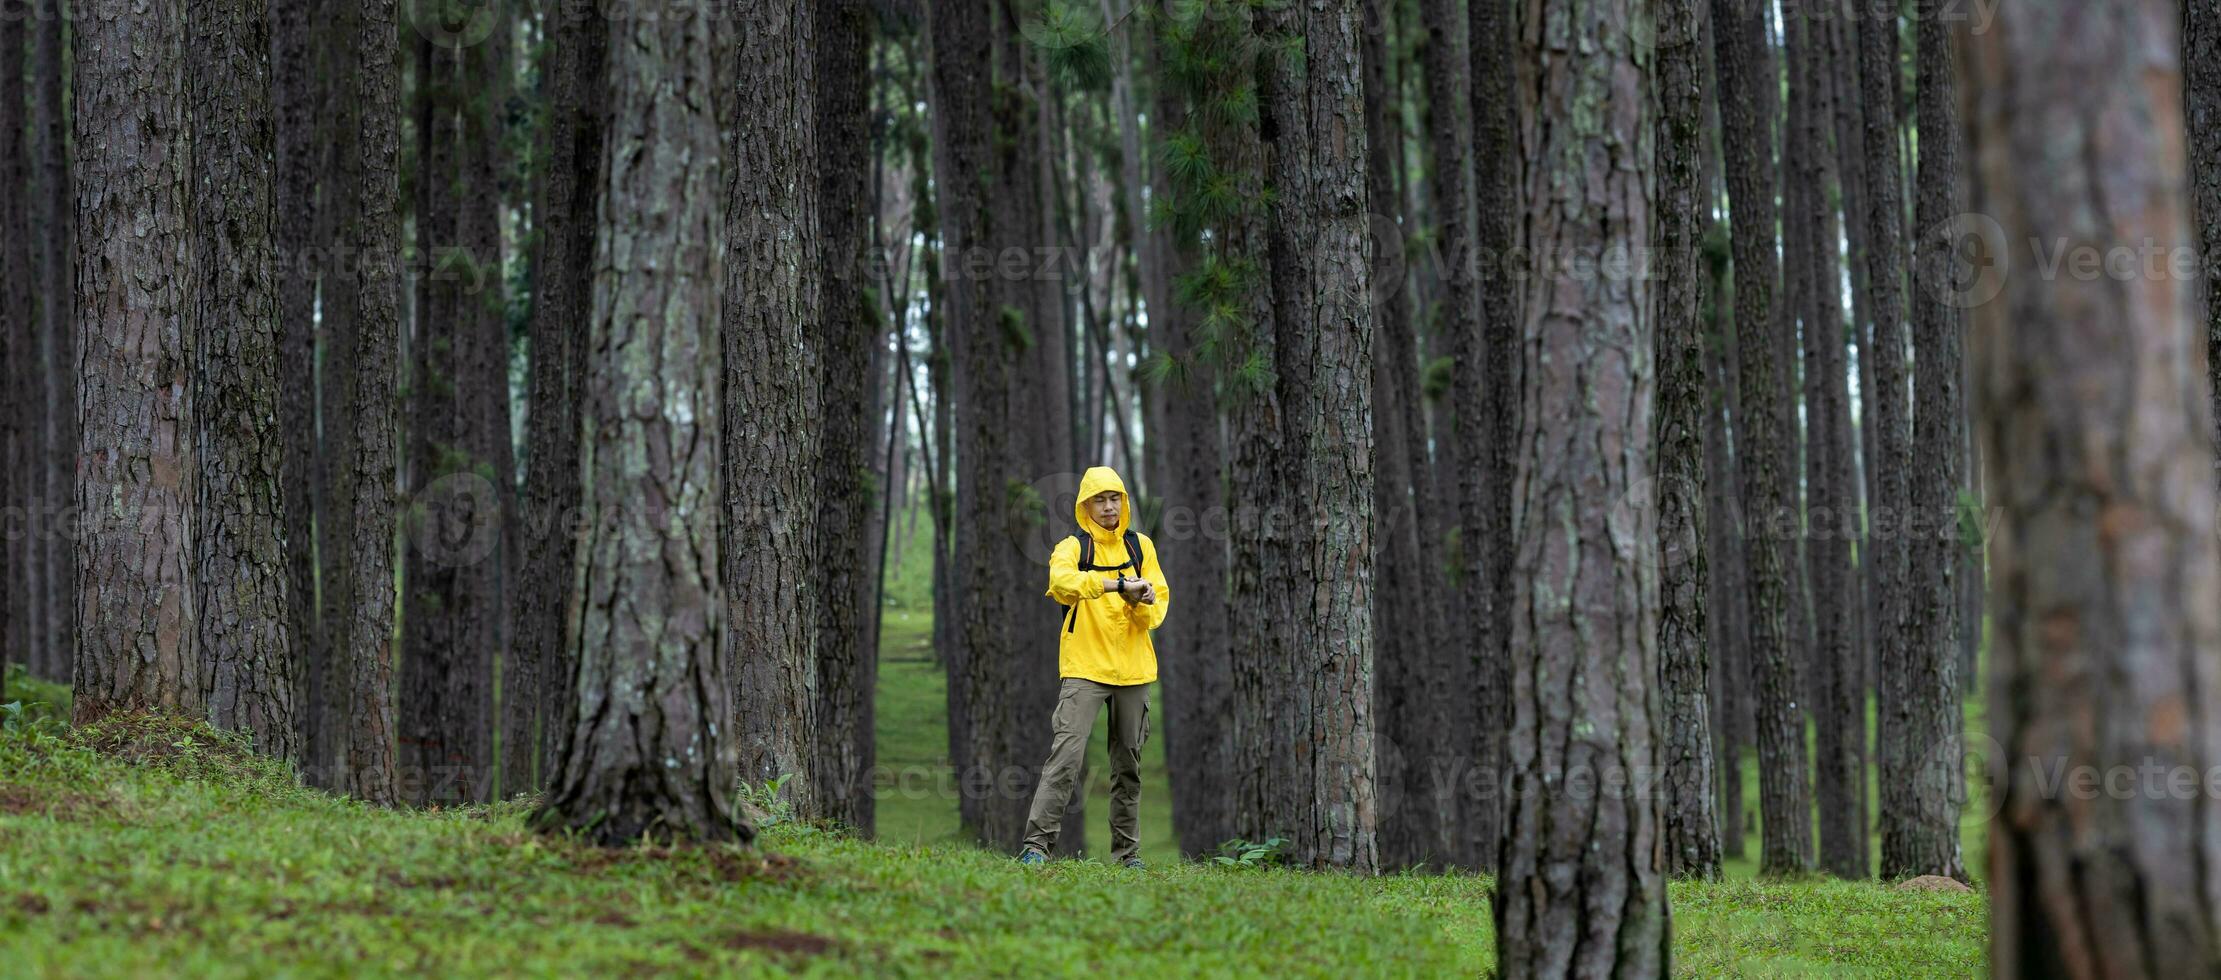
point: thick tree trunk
(446, 656)
(140, 476)
(1934, 562)
(848, 583)
(1764, 451)
(1487, 423)
(1303, 679)
(360, 418)
(1850, 156)
(2201, 59)
(1727, 606)
(570, 189)
(772, 337)
(1914, 841)
(1839, 709)
(484, 372)
(20, 408)
(1582, 881)
(238, 537)
(1196, 670)
(299, 156)
(2100, 455)
(1690, 829)
(648, 751)
(55, 211)
(1405, 687)
(982, 358)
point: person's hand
(1143, 593)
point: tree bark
(772, 330)
(137, 623)
(1764, 451)
(1303, 680)
(1197, 672)
(299, 156)
(447, 637)
(562, 305)
(360, 412)
(484, 371)
(1487, 421)
(1934, 562)
(1582, 886)
(848, 584)
(57, 245)
(21, 409)
(238, 543)
(2099, 446)
(1911, 839)
(1839, 710)
(649, 752)
(2201, 47)
(1690, 831)
(982, 357)
(1405, 687)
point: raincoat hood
(1096, 480)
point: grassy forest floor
(146, 848)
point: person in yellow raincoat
(1114, 592)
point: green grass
(146, 848)
(150, 848)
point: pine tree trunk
(772, 337)
(1488, 419)
(1303, 678)
(2099, 444)
(238, 538)
(1764, 450)
(1690, 830)
(562, 305)
(1727, 605)
(647, 753)
(1935, 555)
(1196, 673)
(299, 155)
(848, 584)
(446, 699)
(20, 584)
(2201, 47)
(982, 357)
(56, 243)
(1404, 687)
(1913, 841)
(360, 412)
(1850, 157)
(1582, 886)
(483, 320)
(137, 624)
(1839, 707)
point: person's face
(1104, 507)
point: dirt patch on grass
(16, 801)
(777, 941)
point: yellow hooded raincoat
(1104, 638)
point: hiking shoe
(1031, 856)
(1134, 863)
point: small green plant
(768, 804)
(1239, 853)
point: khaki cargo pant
(1077, 702)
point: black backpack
(1087, 564)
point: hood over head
(1096, 480)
